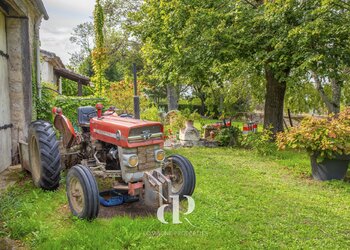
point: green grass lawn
(243, 201)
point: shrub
(44, 106)
(151, 114)
(70, 105)
(121, 95)
(175, 120)
(261, 142)
(229, 136)
(327, 137)
(191, 115)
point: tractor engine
(108, 154)
(132, 146)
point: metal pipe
(38, 70)
(42, 9)
(136, 97)
(135, 78)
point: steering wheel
(111, 110)
(92, 114)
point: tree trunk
(202, 111)
(172, 97)
(332, 104)
(336, 94)
(274, 101)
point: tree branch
(250, 3)
(323, 95)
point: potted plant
(327, 140)
(190, 117)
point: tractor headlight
(133, 161)
(159, 155)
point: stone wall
(47, 73)
(22, 41)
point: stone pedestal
(189, 136)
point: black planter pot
(330, 169)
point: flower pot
(189, 124)
(330, 169)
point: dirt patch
(8, 244)
(134, 209)
(9, 177)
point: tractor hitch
(157, 189)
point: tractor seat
(85, 114)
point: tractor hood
(126, 132)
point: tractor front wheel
(182, 175)
(82, 192)
(44, 156)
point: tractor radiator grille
(142, 130)
(146, 157)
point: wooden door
(5, 117)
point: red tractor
(126, 152)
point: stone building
(48, 63)
(53, 70)
(19, 65)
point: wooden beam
(80, 89)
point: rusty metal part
(121, 186)
(166, 185)
(175, 174)
(157, 189)
(107, 173)
(69, 137)
(135, 188)
(69, 156)
(76, 194)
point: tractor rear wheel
(82, 192)
(44, 156)
(182, 175)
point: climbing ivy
(99, 54)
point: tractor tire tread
(49, 154)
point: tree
(172, 47)
(279, 40)
(121, 95)
(82, 36)
(99, 55)
(323, 40)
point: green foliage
(175, 121)
(183, 105)
(121, 95)
(229, 137)
(191, 116)
(44, 106)
(327, 137)
(302, 97)
(262, 142)
(223, 49)
(69, 87)
(151, 114)
(99, 54)
(70, 105)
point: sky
(64, 16)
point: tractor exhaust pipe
(136, 97)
